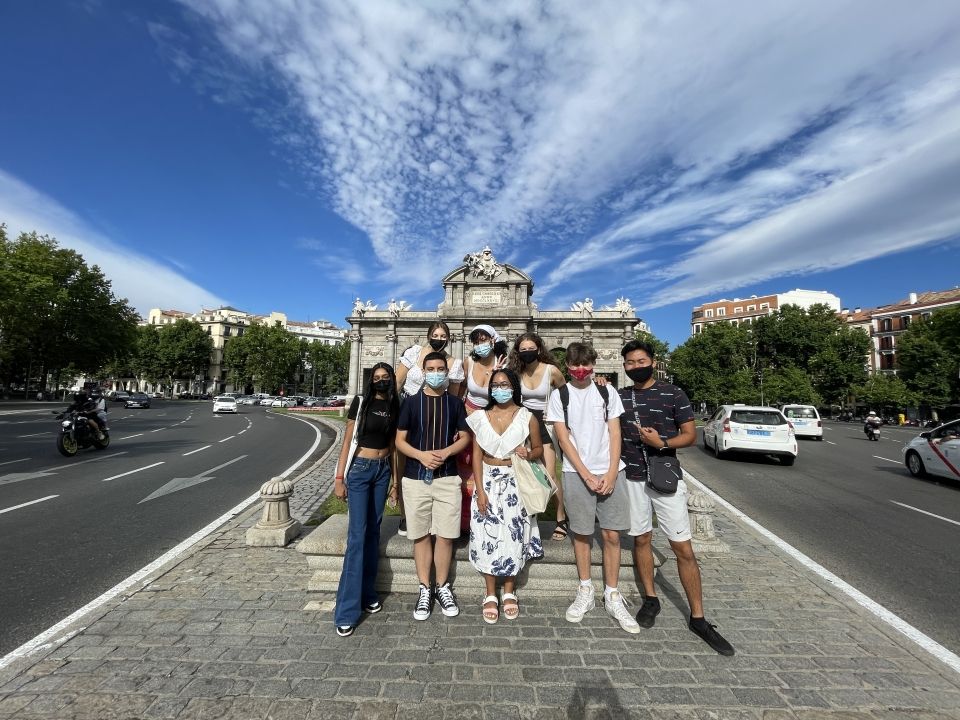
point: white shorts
(672, 515)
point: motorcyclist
(87, 408)
(872, 421)
(96, 396)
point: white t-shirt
(415, 378)
(588, 431)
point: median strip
(131, 472)
(32, 502)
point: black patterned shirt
(662, 406)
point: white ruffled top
(494, 444)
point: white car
(224, 403)
(935, 452)
(283, 403)
(806, 420)
(266, 400)
(752, 429)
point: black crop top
(378, 427)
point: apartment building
(747, 310)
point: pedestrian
(503, 536)
(364, 474)
(431, 431)
(657, 420)
(539, 376)
(586, 419)
(410, 379)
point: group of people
(440, 436)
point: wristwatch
(666, 445)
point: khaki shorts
(432, 509)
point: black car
(137, 400)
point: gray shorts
(584, 506)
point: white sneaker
(582, 605)
(617, 609)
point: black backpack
(565, 401)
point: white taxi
(224, 403)
(751, 429)
(806, 420)
(935, 452)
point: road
(837, 505)
(72, 528)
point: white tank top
(476, 394)
(536, 398)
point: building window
(709, 313)
(886, 343)
(239, 332)
(886, 325)
(721, 312)
(226, 331)
(764, 306)
(751, 308)
(905, 322)
(696, 328)
(925, 316)
(738, 310)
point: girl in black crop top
(372, 420)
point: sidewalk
(224, 634)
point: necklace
(496, 420)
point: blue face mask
(501, 395)
(435, 379)
(483, 349)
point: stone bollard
(275, 528)
(705, 538)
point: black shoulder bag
(663, 471)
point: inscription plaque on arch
(485, 298)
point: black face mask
(382, 386)
(437, 344)
(528, 356)
(640, 374)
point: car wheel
(705, 446)
(915, 465)
(787, 460)
(819, 438)
(717, 452)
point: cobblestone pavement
(224, 634)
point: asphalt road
(99, 517)
(836, 505)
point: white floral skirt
(506, 537)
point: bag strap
(565, 401)
(605, 394)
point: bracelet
(338, 477)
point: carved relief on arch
(374, 350)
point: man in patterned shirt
(657, 419)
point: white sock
(587, 584)
(607, 590)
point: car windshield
(757, 417)
(225, 399)
(800, 412)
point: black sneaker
(402, 530)
(448, 603)
(424, 603)
(647, 614)
(373, 607)
(345, 630)
(710, 636)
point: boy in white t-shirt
(588, 430)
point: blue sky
(291, 156)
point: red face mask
(580, 373)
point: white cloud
(598, 131)
(144, 282)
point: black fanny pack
(663, 472)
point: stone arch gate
(484, 291)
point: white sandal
(516, 600)
(495, 609)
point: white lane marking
(939, 517)
(830, 442)
(131, 472)
(53, 468)
(227, 438)
(895, 462)
(197, 450)
(11, 462)
(242, 431)
(32, 502)
(34, 434)
(51, 636)
(182, 483)
(130, 436)
(924, 641)
(158, 430)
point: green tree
(789, 385)
(840, 364)
(57, 312)
(183, 351)
(885, 392)
(716, 365)
(924, 365)
(236, 351)
(273, 356)
(660, 347)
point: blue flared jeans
(367, 483)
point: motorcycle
(75, 433)
(872, 432)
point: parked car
(246, 400)
(752, 429)
(157, 395)
(119, 395)
(283, 402)
(137, 400)
(335, 402)
(266, 400)
(224, 403)
(187, 396)
(806, 420)
(935, 452)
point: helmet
(871, 414)
(80, 396)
